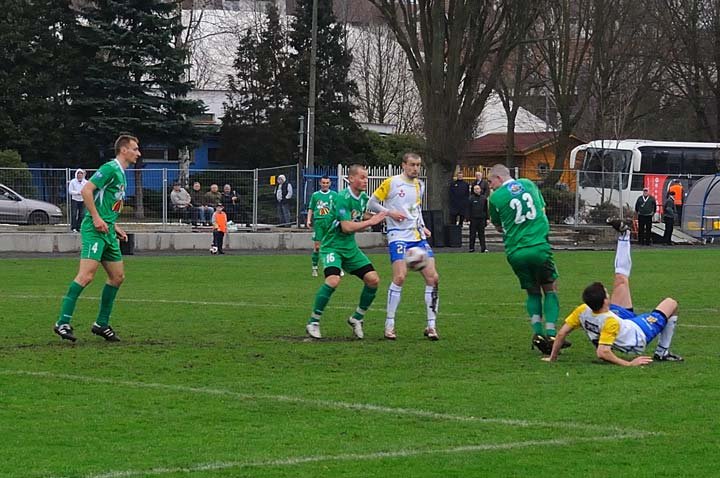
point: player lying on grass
(610, 321)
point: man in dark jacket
(645, 208)
(484, 186)
(478, 218)
(669, 214)
(459, 195)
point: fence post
(517, 172)
(255, 200)
(577, 197)
(164, 196)
(620, 197)
(68, 204)
(297, 195)
(339, 178)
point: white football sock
(623, 260)
(665, 338)
(393, 300)
(431, 304)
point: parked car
(15, 209)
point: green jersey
(347, 207)
(110, 193)
(321, 205)
(518, 206)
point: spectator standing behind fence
(76, 201)
(645, 208)
(180, 200)
(229, 202)
(478, 217)
(669, 214)
(484, 186)
(202, 214)
(219, 222)
(459, 196)
(283, 195)
(677, 188)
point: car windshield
(603, 168)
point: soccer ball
(416, 258)
(213, 250)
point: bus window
(601, 168)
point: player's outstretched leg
(623, 266)
(367, 296)
(669, 307)
(62, 326)
(393, 301)
(322, 297)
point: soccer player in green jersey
(103, 196)
(339, 250)
(319, 217)
(517, 209)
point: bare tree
(514, 85)
(566, 29)
(628, 66)
(212, 35)
(386, 93)
(692, 29)
(456, 50)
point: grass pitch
(214, 377)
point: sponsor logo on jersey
(401, 193)
(515, 188)
(356, 215)
(323, 208)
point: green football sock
(106, 304)
(68, 303)
(315, 256)
(534, 310)
(552, 311)
(321, 300)
(366, 299)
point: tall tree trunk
(139, 207)
(510, 137)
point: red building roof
(493, 144)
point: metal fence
(250, 200)
(578, 198)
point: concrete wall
(181, 241)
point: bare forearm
(87, 195)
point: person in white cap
(283, 194)
(76, 201)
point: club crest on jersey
(401, 193)
(515, 188)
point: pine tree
(255, 130)
(135, 77)
(39, 71)
(338, 138)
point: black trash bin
(127, 248)
(434, 221)
(453, 236)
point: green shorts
(349, 260)
(98, 246)
(320, 228)
(533, 266)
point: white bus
(616, 170)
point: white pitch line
(297, 306)
(307, 306)
(324, 404)
(301, 460)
